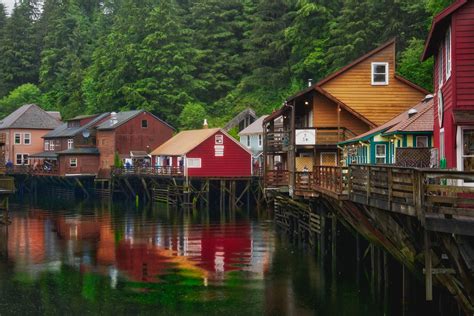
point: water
(80, 259)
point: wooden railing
(277, 141)
(151, 171)
(332, 135)
(304, 182)
(38, 170)
(277, 178)
(330, 179)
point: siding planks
(377, 103)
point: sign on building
(305, 137)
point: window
(248, 141)
(51, 145)
(440, 67)
(379, 73)
(46, 145)
(447, 46)
(27, 138)
(328, 159)
(70, 143)
(380, 153)
(144, 123)
(17, 138)
(260, 140)
(21, 159)
(421, 141)
(468, 149)
(194, 162)
(73, 162)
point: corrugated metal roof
(65, 131)
(254, 128)
(184, 142)
(122, 117)
(80, 151)
(29, 116)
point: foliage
(215, 56)
(118, 163)
(413, 69)
(24, 94)
(192, 116)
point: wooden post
(333, 239)
(428, 267)
(369, 171)
(385, 278)
(404, 290)
(372, 266)
(292, 150)
(322, 237)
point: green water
(114, 259)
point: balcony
(277, 178)
(332, 135)
(277, 141)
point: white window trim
(51, 145)
(70, 160)
(249, 143)
(70, 143)
(24, 138)
(22, 159)
(440, 67)
(260, 140)
(448, 52)
(14, 138)
(46, 145)
(421, 136)
(193, 163)
(377, 156)
(373, 65)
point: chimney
(205, 125)
(310, 82)
(412, 112)
(113, 118)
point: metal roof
(65, 131)
(45, 154)
(123, 117)
(29, 116)
(80, 151)
(254, 128)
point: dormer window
(379, 74)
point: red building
(451, 43)
(204, 153)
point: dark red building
(451, 43)
(204, 153)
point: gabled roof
(422, 121)
(438, 27)
(254, 128)
(239, 117)
(29, 116)
(65, 131)
(123, 117)
(184, 142)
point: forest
(186, 60)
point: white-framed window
(27, 138)
(440, 66)
(51, 145)
(248, 141)
(193, 162)
(17, 140)
(441, 144)
(260, 140)
(421, 141)
(73, 162)
(46, 145)
(379, 74)
(380, 153)
(447, 46)
(21, 159)
(70, 143)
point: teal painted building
(413, 128)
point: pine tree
(19, 48)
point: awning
(464, 116)
(45, 155)
(139, 154)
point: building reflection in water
(133, 247)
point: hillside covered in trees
(189, 59)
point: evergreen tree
(19, 48)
